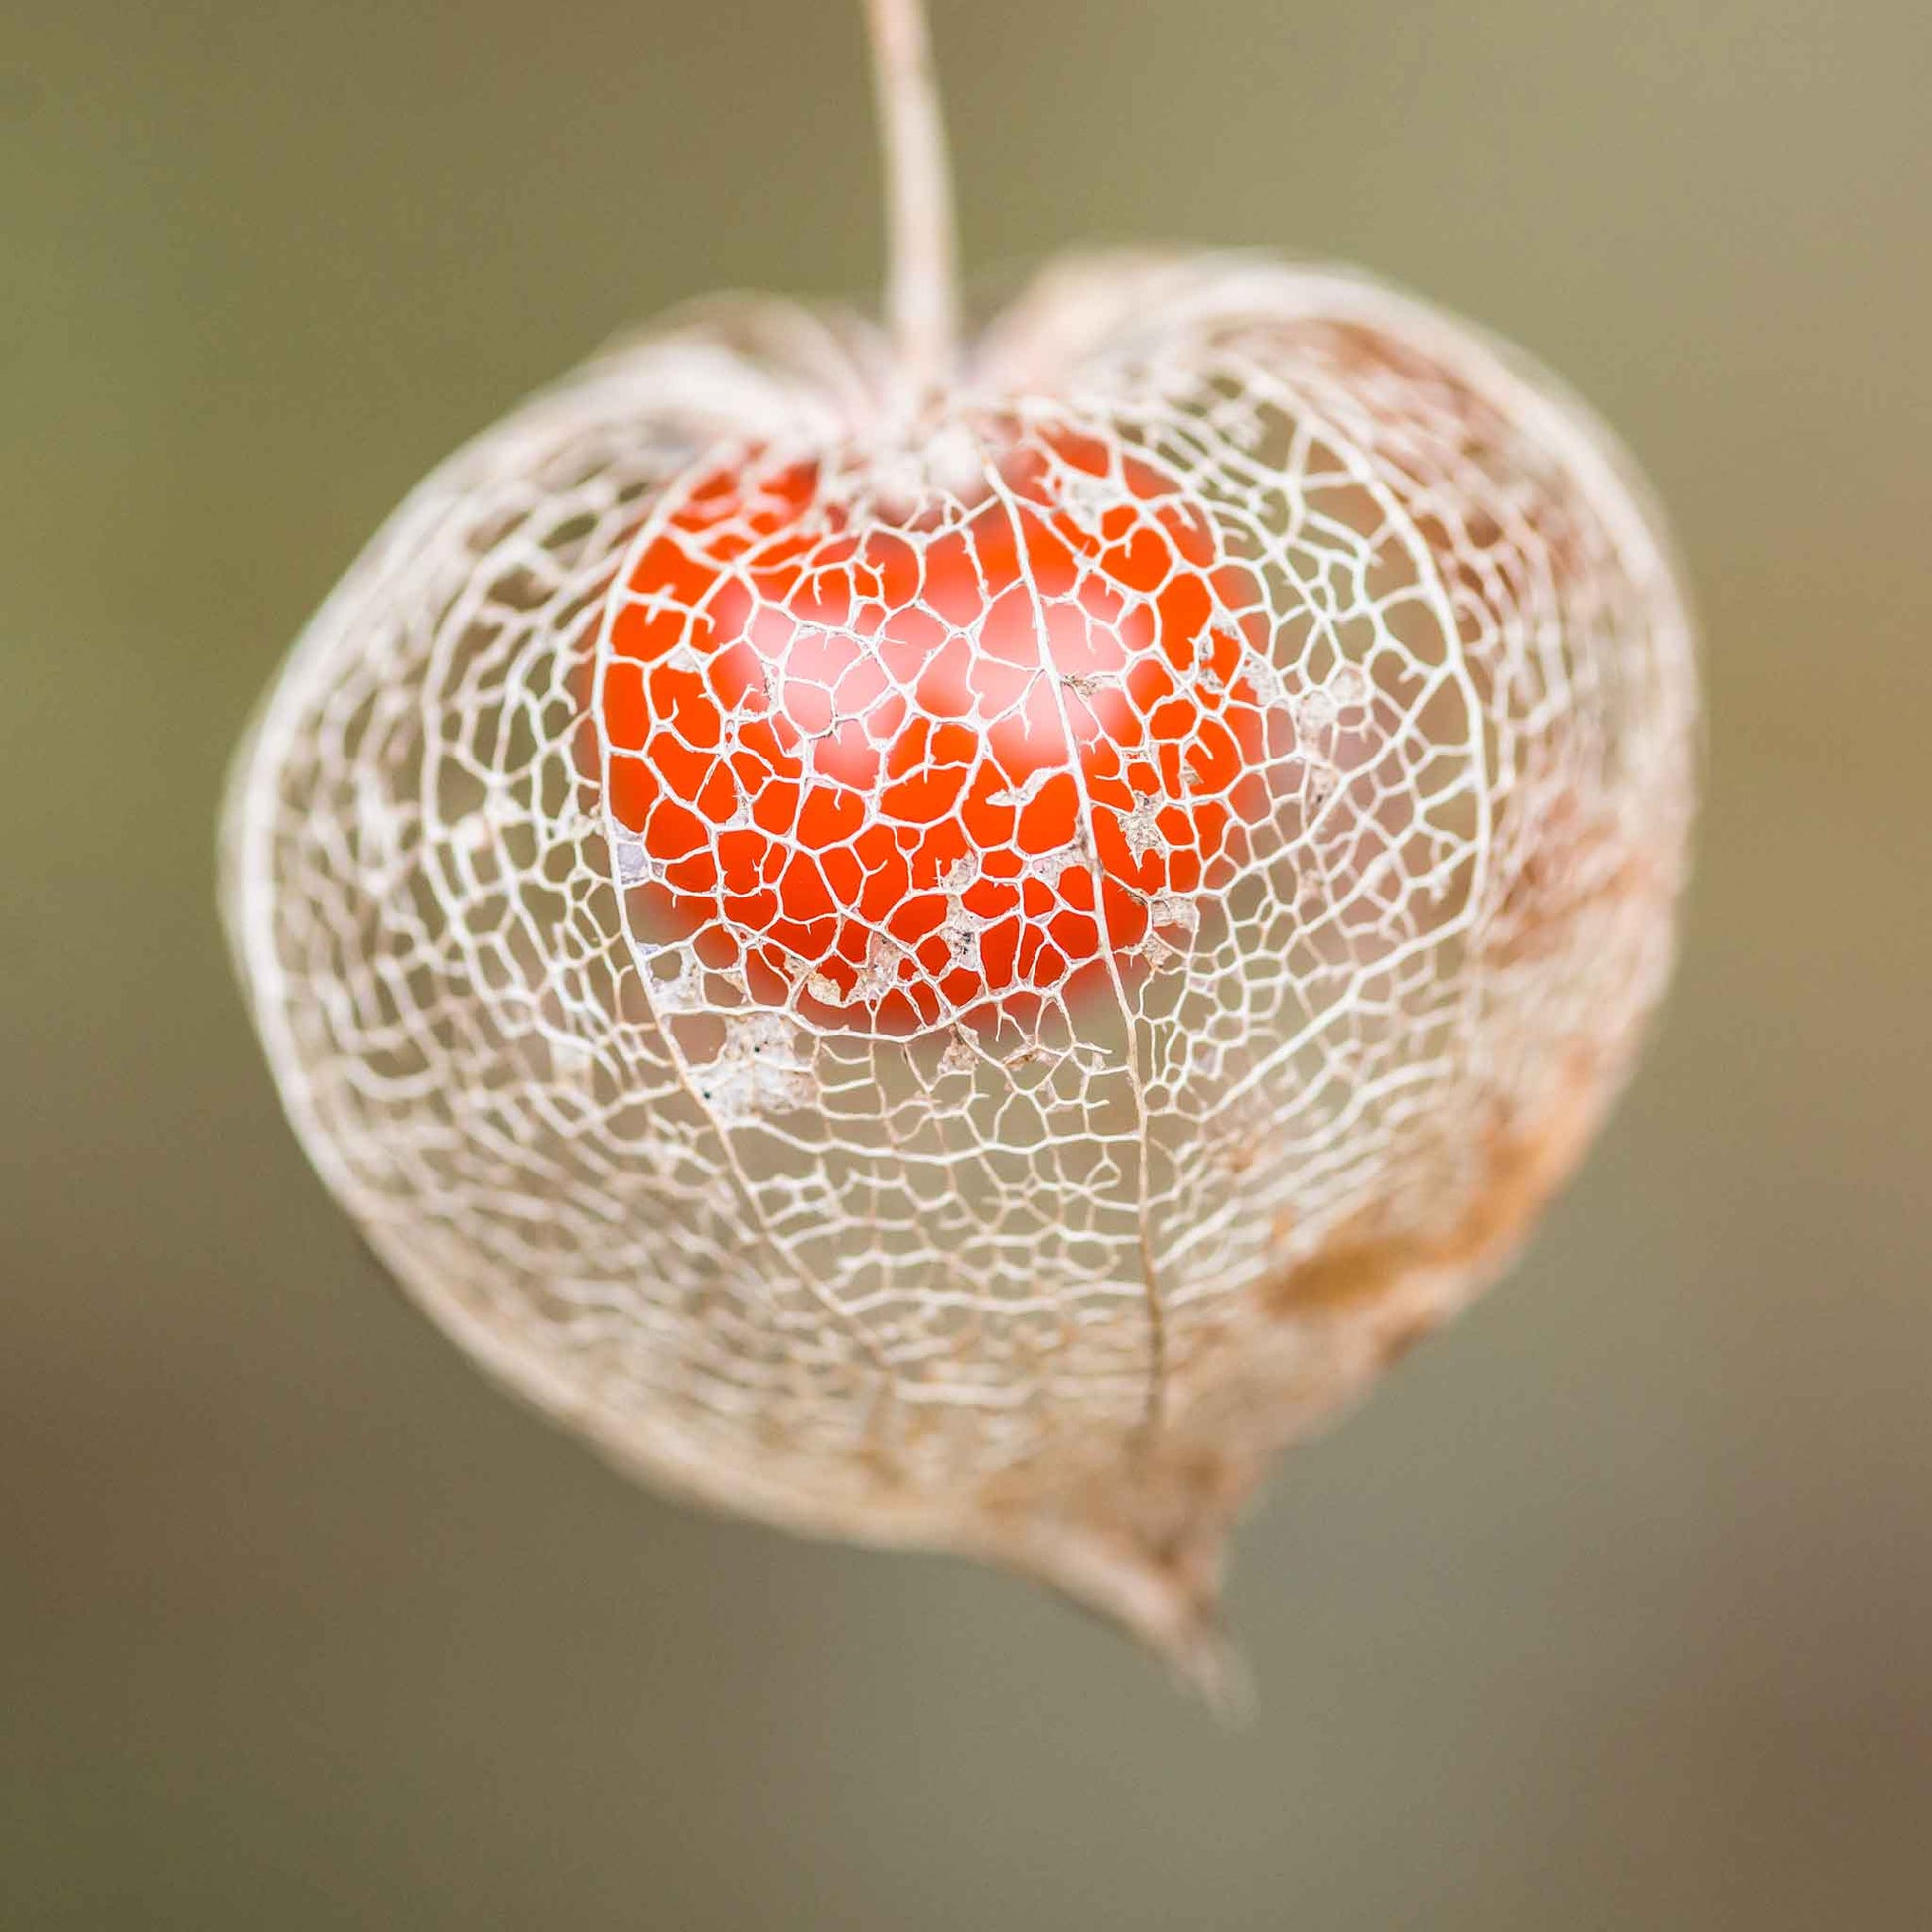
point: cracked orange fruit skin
(917, 762)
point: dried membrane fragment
(951, 947)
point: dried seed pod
(949, 946)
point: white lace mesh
(962, 985)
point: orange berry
(926, 761)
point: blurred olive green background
(1612, 1610)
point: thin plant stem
(921, 248)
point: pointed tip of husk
(1206, 1662)
(1167, 1600)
